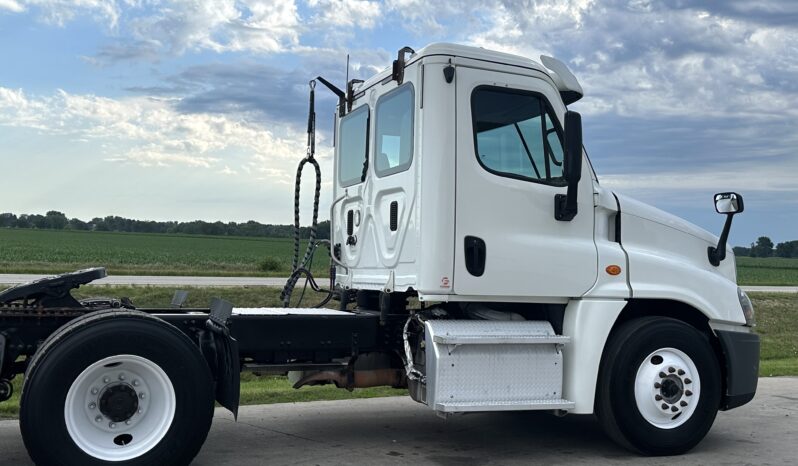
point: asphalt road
(155, 280)
(398, 431)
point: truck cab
(461, 179)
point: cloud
(60, 12)
(221, 26)
(11, 5)
(152, 133)
(346, 13)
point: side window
(353, 146)
(394, 131)
(515, 136)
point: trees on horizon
(54, 220)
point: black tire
(91, 338)
(616, 405)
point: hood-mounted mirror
(728, 204)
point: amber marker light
(613, 269)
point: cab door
(509, 168)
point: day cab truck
(477, 261)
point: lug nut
(106, 380)
(688, 393)
(671, 370)
(142, 395)
(112, 425)
(662, 375)
(92, 405)
(688, 381)
(98, 419)
(664, 406)
(122, 377)
(657, 385)
(127, 423)
(94, 391)
(680, 372)
(141, 411)
(135, 383)
(683, 403)
(658, 397)
(674, 409)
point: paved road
(397, 431)
(156, 280)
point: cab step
(517, 405)
(485, 365)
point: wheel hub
(119, 402)
(671, 389)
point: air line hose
(302, 268)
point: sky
(183, 110)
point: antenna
(347, 70)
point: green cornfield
(53, 251)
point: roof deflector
(569, 87)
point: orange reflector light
(613, 269)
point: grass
(776, 324)
(54, 251)
(775, 271)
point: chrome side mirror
(728, 203)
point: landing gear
(659, 386)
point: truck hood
(648, 231)
(644, 211)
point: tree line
(764, 248)
(54, 220)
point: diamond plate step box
(484, 365)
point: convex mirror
(728, 203)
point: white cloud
(151, 133)
(346, 13)
(222, 25)
(11, 5)
(60, 12)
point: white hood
(667, 257)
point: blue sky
(178, 109)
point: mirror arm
(717, 254)
(565, 207)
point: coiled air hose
(299, 268)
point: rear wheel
(116, 387)
(659, 386)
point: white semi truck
(460, 184)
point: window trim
(549, 111)
(405, 166)
(365, 159)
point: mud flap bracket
(221, 351)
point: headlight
(748, 308)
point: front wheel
(116, 387)
(659, 386)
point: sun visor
(569, 87)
